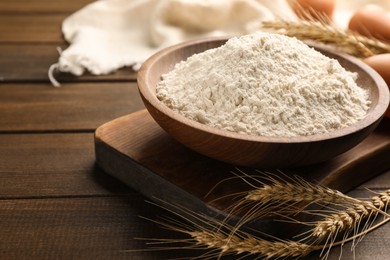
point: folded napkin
(110, 34)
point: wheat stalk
(274, 196)
(220, 238)
(347, 219)
(326, 33)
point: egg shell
(315, 8)
(371, 21)
(381, 63)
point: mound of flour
(265, 84)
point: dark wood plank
(382, 182)
(82, 106)
(42, 6)
(78, 228)
(52, 165)
(31, 62)
(37, 28)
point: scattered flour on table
(265, 84)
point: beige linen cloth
(110, 34)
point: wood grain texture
(41, 6)
(52, 165)
(30, 62)
(79, 228)
(265, 152)
(82, 106)
(38, 28)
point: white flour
(265, 84)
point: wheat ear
(351, 217)
(299, 190)
(241, 243)
(222, 239)
(322, 32)
(279, 195)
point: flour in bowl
(265, 84)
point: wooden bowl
(258, 151)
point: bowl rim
(375, 113)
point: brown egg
(372, 21)
(315, 8)
(381, 63)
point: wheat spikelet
(351, 217)
(343, 220)
(239, 243)
(322, 32)
(381, 200)
(299, 190)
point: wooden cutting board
(135, 150)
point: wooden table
(55, 202)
